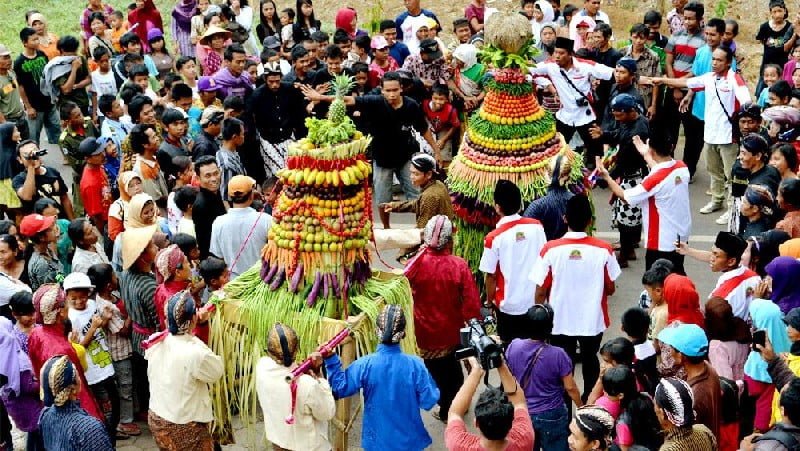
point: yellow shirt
(793, 361)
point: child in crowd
(103, 80)
(770, 74)
(287, 40)
(652, 298)
(94, 187)
(184, 199)
(614, 352)
(462, 31)
(88, 251)
(119, 26)
(635, 325)
(443, 120)
(215, 274)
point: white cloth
(740, 295)
(180, 367)
(576, 268)
(82, 260)
(9, 286)
(732, 92)
(664, 199)
(100, 366)
(314, 408)
(510, 252)
(581, 74)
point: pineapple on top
(323, 78)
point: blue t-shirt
(544, 389)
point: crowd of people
(174, 139)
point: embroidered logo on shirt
(520, 236)
(678, 180)
(575, 255)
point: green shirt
(10, 101)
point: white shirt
(576, 269)
(663, 197)
(600, 17)
(314, 408)
(581, 74)
(732, 92)
(737, 287)
(83, 260)
(100, 366)
(228, 235)
(103, 84)
(9, 286)
(179, 369)
(509, 252)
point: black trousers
(593, 147)
(446, 372)
(141, 385)
(677, 260)
(692, 131)
(589, 349)
(628, 237)
(107, 396)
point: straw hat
(134, 242)
(212, 30)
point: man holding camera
(38, 181)
(501, 415)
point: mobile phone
(759, 338)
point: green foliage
(324, 133)
(721, 8)
(515, 89)
(499, 58)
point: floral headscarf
(180, 311)
(167, 262)
(48, 300)
(59, 380)
(676, 398)
(391, 324)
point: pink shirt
(611, 405)
(520, 437)
(728, 357)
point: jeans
(107, 396)
(123, 373)
(446, 372)
(551, 429)
(48, 120)
(719, 160)
(591, 365)
(382, 180)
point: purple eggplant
(271, 274)
(335, 285)
(326, 285)
(278, 280)
(265, 268)
(298, 274)
(312, 296)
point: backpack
(785, 438)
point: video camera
(476, 343)
(36, 155)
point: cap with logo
(212, 115)
(207, 84)
(431, 48)
(35, 223)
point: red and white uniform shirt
(664, 199)
(737, 287)
(576, 269)
(731, 91)
(509, 252)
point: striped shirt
(683, 47)
(70, 428)
(138, 290)
(696, 438)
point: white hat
(77, 280)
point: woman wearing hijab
(674, 403)
(182, 15)
(469, 74)
(551, 208)
(64, 423)
(130, 184)
(144, 18)
(767, 316)
(445, 298)
(173, 274)
(180, 369)
(51, 339)
(546, 42)
(785, 273)
(9, 201)
(48, 42)
(20, 392)
(729, 339)
(683, 307)
(541, 17)
(347, 20)
(591, 429)
(142, 212)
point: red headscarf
(145, 18)
(344, 20)
(683, 302)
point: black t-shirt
(773, 43)
(29, 73)
(207, 207)
(393, 142)
(49, 185)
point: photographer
(500, 414)
(38, 181)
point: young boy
(175, 142)
(771, 74)
(184, 200)
(397, 50)
(652, 297)
(103, 80)
(76, 129)
(215, 274)
(443, 120)
(88, 323)
(527, 9)
(139, 75)
(207, 89)
(287, 42)
(119, 26)
(635, 325)
(72, 85)
(113, 127)
(728, 39)
(95, 188)
(462, 31)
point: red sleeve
(454, 118)
(470, 299)
(34, 352)
(456, 436)
(115, 227)
(521, 433)
(92, 194)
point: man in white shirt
(575, 275)
(663, 197)
(572, 79)
(726, 92)
(238, 236)
(591, 8)
(509, 254)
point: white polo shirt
(733, 93)
(663, 197)
(576, 270)
(581, 74)
(509, 252)
(737, 287)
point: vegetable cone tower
(510, 137)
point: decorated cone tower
(511, 137)
(315, 268)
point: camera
(476, 343)
(582, 102)
(36, 155)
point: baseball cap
(172, 115)
(35, 223)
(430, 47)
(212, 114)
(271, 42)
(206, 84)
(4, 51)
(623, 102)
(77, 280)
(688, 339)
(241, 184)
(273, 68)
(793, 318)
(154, 33)
(91, 146)
(379, 42)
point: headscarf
(180, 312)
(676, 398)
(785, 273)
(391, 324)
(134, 242)
(545, 50)
(548, 15)
(423, 162)
(573, 30)
(722, 325)
(766, 316)
(782, 114)
(790, 248)
(125, 179)
(760, 197)
(344, 20)
(411, 41)
(683, 302)
(144, 19)
(438, 232)
(13, 360)
(59, 380)
(167, 262)
(467, 54)
(182, 14)
(133, 219)
(595, 422)
(282, 344)
(8, 151)
(48, 300)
